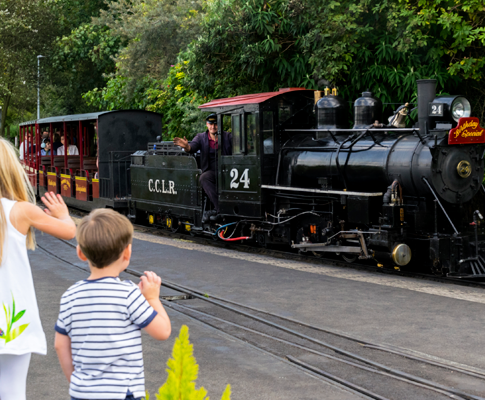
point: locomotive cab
(257, 123)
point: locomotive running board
(341, 192)
(328, 249)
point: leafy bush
(387, 45)
(182, 373)
(247, 47)
(178, 104)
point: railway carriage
(87, 181)
(300, 177)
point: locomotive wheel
(141, 217)
(350, 258)
(437, 269)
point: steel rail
(378, 366)
(397, 351)
(360, 366)
(448, 365)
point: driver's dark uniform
(208, 161)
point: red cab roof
(247, 98)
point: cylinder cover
(401, 254)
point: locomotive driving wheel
(349, 257)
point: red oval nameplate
(467, 131)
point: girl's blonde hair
(14, 185)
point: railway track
(375, 370)
(300, 257)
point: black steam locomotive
(399, 196)
(298, 176)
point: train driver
(208, 144)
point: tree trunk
(6, 102)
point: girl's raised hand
(55, 206)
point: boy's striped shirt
(103, 318)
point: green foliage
(91, 43)
(27, 28)
(114, 96)
(178, 104)
(182, 373)
(170, 57)
(74, 13)
(384, 46)
(154, 32)
(79, 64)
(171, 98)
(252, 46)
(387, 45)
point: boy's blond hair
(103, 235)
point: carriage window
(236, 134)
(268, 141)
(251, 133)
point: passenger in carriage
(72, 150)
(57, 142)
(46, 148)
(208, 144)
(27, 144)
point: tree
(154, 32)
(80, 62)
(80, 58)
(387, 45)
(26, 30)
(252, 46)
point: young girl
(21, 331)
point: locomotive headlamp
(450, 107)
(460, 108)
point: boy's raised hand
(150, 285)
(55, 206)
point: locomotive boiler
(426, 176)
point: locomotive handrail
(166, 148)
(353, 130)
(436, 197)
(341, 192)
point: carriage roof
(82, 117)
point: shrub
(182, 374)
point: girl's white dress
(20, 327)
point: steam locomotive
(298, 176)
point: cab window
(251, 133)
(236, 134)
(268, 141)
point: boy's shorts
(128, 397)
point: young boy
(98, 337)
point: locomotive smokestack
(426, 94)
